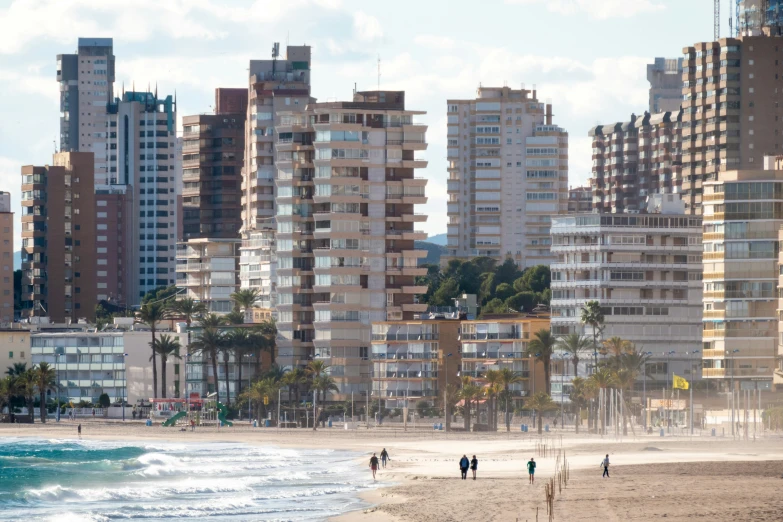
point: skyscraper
(346, 191)
(6, 259)
(508, 175)
(86, 88)
(59, 264)
(665, 77)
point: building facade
(645, 270)
(634, 159)
(412, 361)
(346, 191)
(6, 259)
(145, 160)
(742, 217)
(731, 113)
(507, 176)
(580, 199)
(59, 239)
(258, 270)
(86, 87)
(212, 159)
(208, 270)
(665, 77)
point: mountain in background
(433, 252)
(17, 260)
(438, 239)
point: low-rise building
(14, 348)
(580, 199)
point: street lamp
(669, 381)
(644, 388)
(446, 390)
(732, 389)
(124, 385)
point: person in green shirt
(531, 469)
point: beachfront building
(645, 270)
(6, 260)
(346, 192)
(90, 363)
(258, 271)
(208, 271)
(580, 199)
(411, 361)
(500, 341)
(507, 176)
(665, 77)
(14, 348)
(635, 159)
(742, 219)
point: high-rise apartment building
(743, 213)
(207, 269)
(114, 224)
(580, 199)
(665, 77)
(274, 85)
(346, 191)
(86, 88)
(731, 109)
(508, 175)
(59, 239)
(258, 271)
(212, 158)
(645, 271)
(6, 259)
(144, 158)
(634, 159)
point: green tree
(541, 348)
(507, 378)
(104, 401)
(523, 301)
(602, 379)
(186, 308)
(469, 393)
(504, 291)
(238, 341)
(579, 395)
(44, 377)
(541, 403)
(26, 386)
(495, 306)
(150, 314)
(323, 384)
(592, 315)
(448, 290)
(535, 279)
(256, 392)
(7, 391)
(294, 380)
(167, 346)
(575, 345)
(208, 343)
(235, 317)
(16, 369)
(616, 346)
(244, 299)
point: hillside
(437, 239)
(433, 252)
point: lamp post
(124, 385)
(691, 390)
(446, 390)
(57, 372)
(732, 390)
(668, 379)
(644, 389)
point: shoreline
(421, 483)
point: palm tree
(469, 393)
(265, 334)
(166, 346)
(150, 314)
(492, 389)
(7, 390)
(542, 347)
(314, 370)
(324, 384)
(617, 346)
(541, 403)
(208, 343)
(227, 349)
(579, 396)
(245, 298)
(574, 345)
(188, 308)
(506, 379)
(293, 380)
(602, 378)
(256, 392)
(211, 321)
(591, 314)
(44, 377)
(25, 385)
(624, 379)
(239, 339)
(16, 369)
(452, 397)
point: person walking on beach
(464, 464)
(93, 413)
(474, 466)
(373, 465)
(605, 464)
(384, 457)
(192, 425)
(79, 429)
(531, 470)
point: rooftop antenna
(716, 19)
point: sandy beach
(651, 477)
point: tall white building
(508, 175)
(646, 272)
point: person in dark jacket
(474, 466)
(464, 464)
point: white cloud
(30, 82)
(366, 27)
(597, 9)
(11, 181)
(432, 41)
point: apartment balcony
(415, 307)
(414, 218)
(414, 235)
(421, 289)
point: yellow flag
(679, 382)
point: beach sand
(653, 478)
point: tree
(602, 379)
(212, 321)
(624, 379)
(208, 343)
(7, 390)
(235, 317)
(452, 397)
(187, 308)
(314, 371)
(324, 384)
(244, 299)
(238, 341)
(591, 314)
(504, 291)
(16, 369)
(535, 279)
(445, 293)
(541, 403)
(150, 314)
(541, 348)
(44, 378)
(256, 392)
(574, 345)
(264, 336)
(469, 393)
(26, 386)
(523, 301)
(491, 390)
(166, 346)
(617, 346)
(507, 378)
(104, 401)
(580, 395)
(495, 306)
(293, 380)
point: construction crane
(716, 19)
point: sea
(67, 480)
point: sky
(586, 57)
